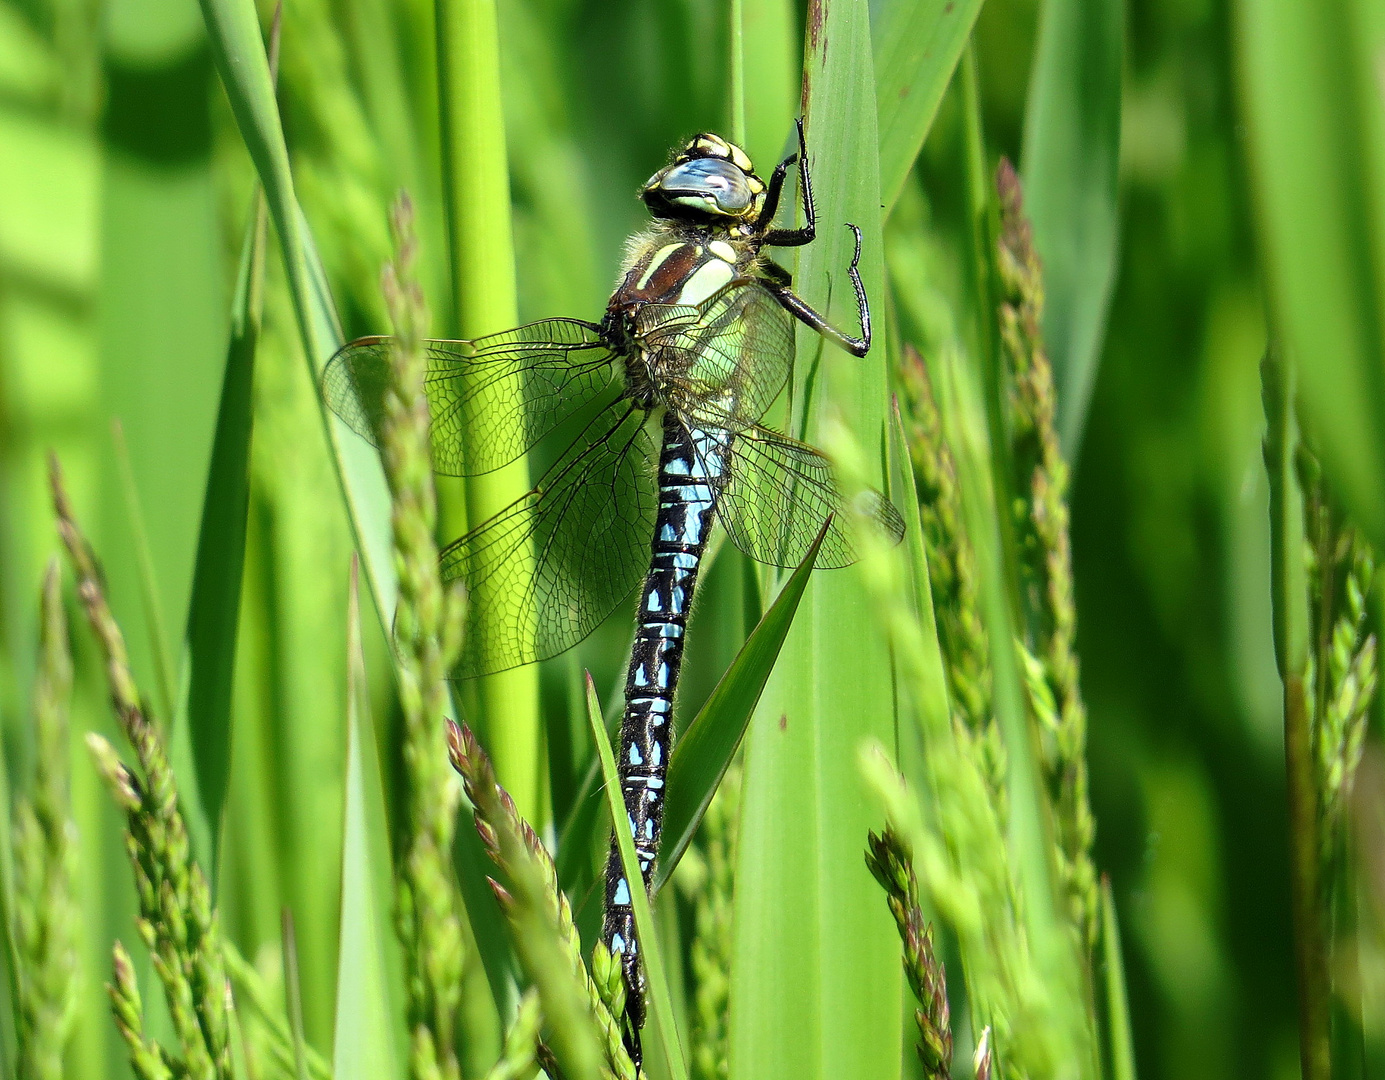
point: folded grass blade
(1310, 82)
(209, 642)
(917, 46)
(702, 755)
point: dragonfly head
(711, 182)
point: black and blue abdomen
(691, 474)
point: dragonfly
(668, 393)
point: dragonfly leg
(800, 310)
(791, 237)
(776, 273)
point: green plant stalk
(46, 914)
(1289, 591)
(1120, 1044)
(736, 88)
(481, 250)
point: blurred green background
(124, 195)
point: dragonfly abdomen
(692, 468)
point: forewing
(544, 572)
(779, 493)
(723, 363)
(489, 399)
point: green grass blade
(293, 995)
(364, 1048)
(660, 1003)
(809, 923)
(1120, 1044)
(234, 32)
(214, 611)
(917, 46)
(476, 180)
(736, 66)
(712, 739)
(1316, 124)
(1071, 158)
(771, 45)
(1289, 590)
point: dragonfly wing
(544, 572)
(723, 362)
(489, 399)
(779, 493)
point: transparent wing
(544, 572)
(779, 493)
(721, 364)
(516, 387)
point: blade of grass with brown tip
(808, 918)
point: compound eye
(709, 184)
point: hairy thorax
(671, 264)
